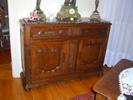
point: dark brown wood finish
(56, 51)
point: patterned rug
(87, 96)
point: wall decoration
(95, 15)
(37, 14)
(68, 12)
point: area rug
(87, 96)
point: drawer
(48, 32)
(93, 32)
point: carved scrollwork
(52, 65)
(85, 61)
(44, 70)
(90, 51)
(40, 50)
(93, 43)
(53, 49)
(48, 49)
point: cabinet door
(90, 54)
(48, 60)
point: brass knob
(42, 71)
(39, 50)
(39, 33)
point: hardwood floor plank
(77, 87)
(90, 81)
(5, 56)
(5, 71)
(1, 89)
(40, 94)
(64, 90)
(55, 93)
(18, 89)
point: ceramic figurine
(37, 14)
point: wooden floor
(5, 57)
(11, 89)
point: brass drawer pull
(42, 71)
(39, 50)
(40, 32)
(60, 31)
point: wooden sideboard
(54, 51)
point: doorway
(5, 55)
(4, 32)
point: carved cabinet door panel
(90, 54)
(48, 59)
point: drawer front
(93, 32)
(48, 32)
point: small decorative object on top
(68, 12)
(95, 15)
(37, 14)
